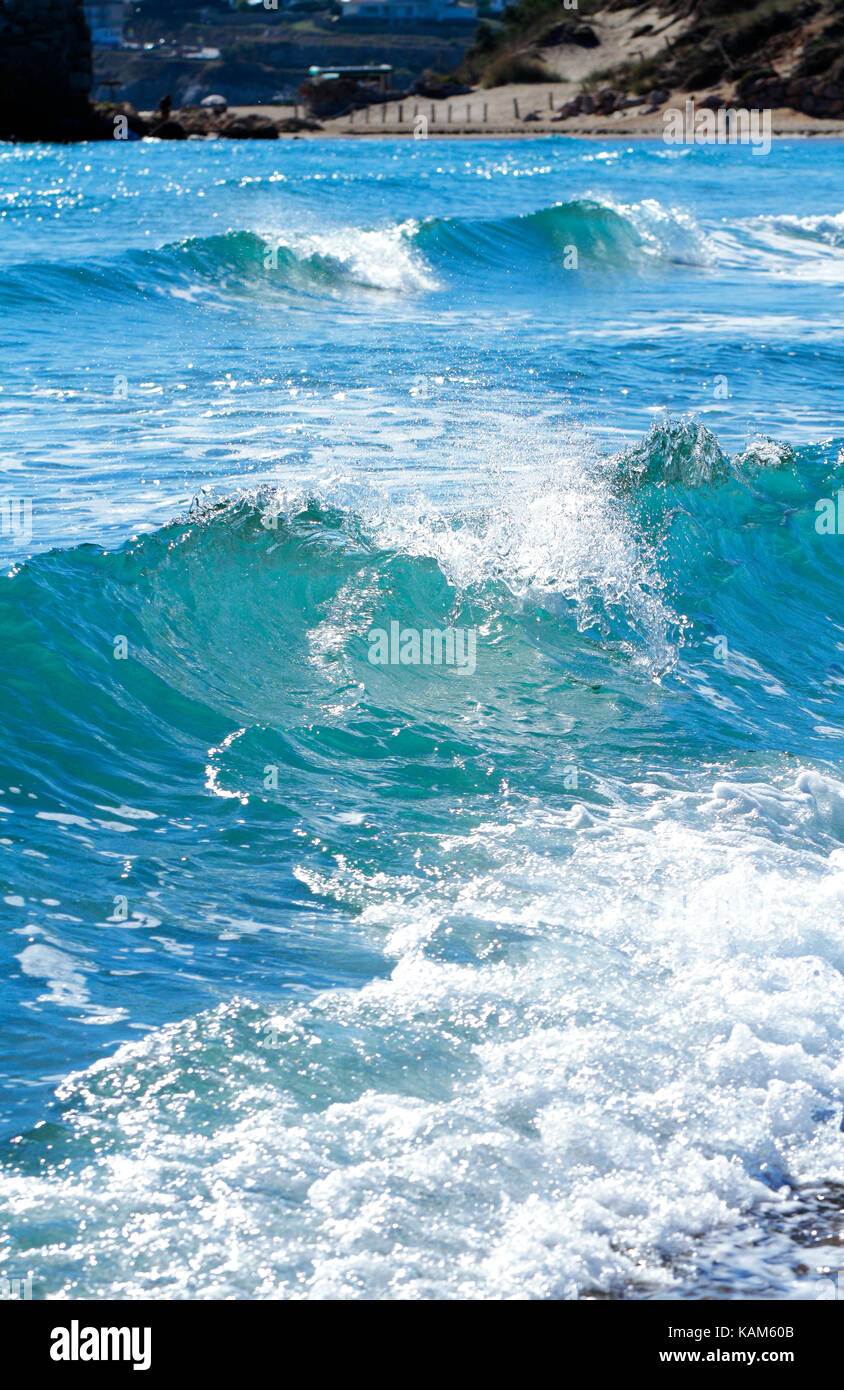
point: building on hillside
(406, 14)
(105, 21)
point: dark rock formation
(200, 122)
(437, 88)
(46, 72)
(169, 130)
(570, 31)
(250, 127)
(290, 124)
(815, 96)
(109, 112)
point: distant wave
(401, 258)
(786, 244)
(410, 257)
(606, 234)
(233, 264)
(824, 227)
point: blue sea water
(327, 979)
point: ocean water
(323, 978)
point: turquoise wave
(235, 264)
(407, 256)
(620, 585)
(402, 256)
(606, 237)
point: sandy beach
(519, 110)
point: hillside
(765, 52)
(778, 52)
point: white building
(391, 14)
(105, 20)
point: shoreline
(512, 112)
(457, 118)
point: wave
(783, 245)
(409, 257)
(597, 232)
(610, 575)
(622, 1035)
(605, 234)
(823, 227)
(234, 264)
(589, 898)
(687, 454)
(402, 258)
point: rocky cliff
(45, 70)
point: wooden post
(550, 101)
(401, 114)
(352, 116)
(486, 108)
(468, 111)
(433, 113)
(384, 113)
(515, 108)
(367, 115)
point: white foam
(597, 1047)
(382, 258)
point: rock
(169, 130)
(326, 100)
(109, 110)
(196, 122)
(586, 104)
(247, 128)
(434, 88)
(606, 101)
(46, 72)
(297, 123)
(658, 97)
(570, 31)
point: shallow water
(329, 979)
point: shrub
(515, 67)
